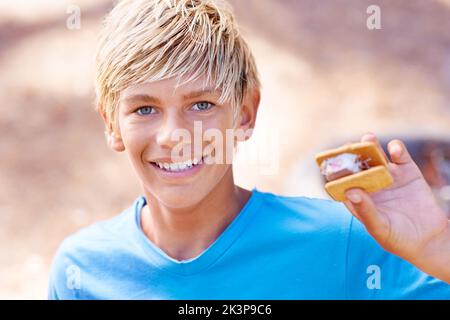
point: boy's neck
(184, 235)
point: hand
(405, 218)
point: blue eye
(143, 111)
(202, 106)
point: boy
(163, 68)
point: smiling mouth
(178, 166)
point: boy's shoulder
(100, 236)
(95, 248)
(298, 217)
(303, 208)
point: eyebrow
(198, 93)
(140, 98)
(150, 99)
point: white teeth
(179, 166)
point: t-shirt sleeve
(374, 273)
(65, 276)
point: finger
(375, 223)
(398, 152)
(371, 137)
(352, 210)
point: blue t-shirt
(277, 247)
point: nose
(171, 128)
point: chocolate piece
(342, 165)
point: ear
(113, 139)
(249, 110)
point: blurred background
(326, 80)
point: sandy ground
(325, 77)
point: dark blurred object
(433, 159)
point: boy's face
(153, 116)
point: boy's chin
(178, 197)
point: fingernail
(396, 149)
(354, 197)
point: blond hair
(151, 40)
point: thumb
(365, 210)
